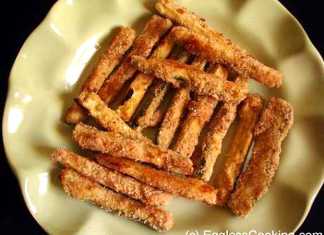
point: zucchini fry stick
(110, 58)
(218, 127)
(152, 116)
(234, 159)
(215, 46)
(190, 188)
(112, 179)
(107, 117)
(113, 143)
(174, 113)
(179, 74)
(82, 188)
(155, 28)
(172, 117)
(244, 64)
(200, 111)
(142, 82)
(270, 131)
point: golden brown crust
(212, 143)
(186, 187)
(277, 115)
(142, 82)
(107, 117)
(175, 110)
(217, 48)
(243, 64)
(110, 58)
(115, 144)
(112, 179)
(182, 16)
(234, 159)
(270, 131)
(199, 113)
(80, 187)
(178, 74)
(172, 117)
(154, 29)
(152, 116)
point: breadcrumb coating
(270, 131)
(82, 188)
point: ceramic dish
(45, 77)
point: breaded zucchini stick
(112, 179)
(172, 117)
(154, 29)
(107, 117)
(113, 143)
(200, 111)
(110, 58)
(218, 127)
(142, 82)
(218, 49)
(152, 116)
(240, 143)
(186, 187)
(178, 74)
(244, 64)
(174, 113)
(82, 188)
(270, 131)
(212, 143)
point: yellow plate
(59, 51)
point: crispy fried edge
(111, 57)
(270, 131)
(80, 187)
(190, 188)
(240, 143)
(154, 29)
(218, 48)
(112, 179)
(90, 138)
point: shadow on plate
(288, 31)
(314, 128)
(285, 200)
(149, 5)
(237, 5)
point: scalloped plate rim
(308, 42)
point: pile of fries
(203, 77)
